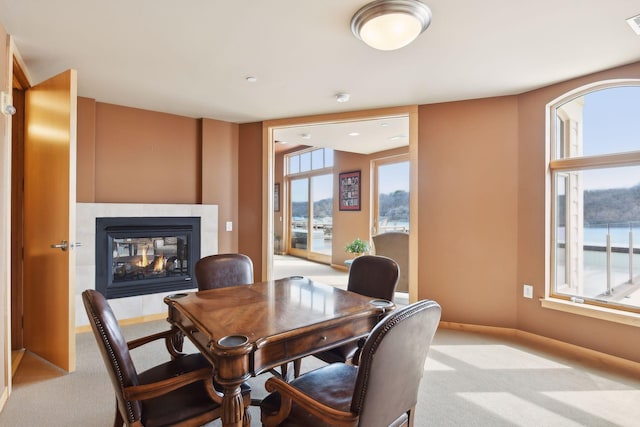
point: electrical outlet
(229, 226)
(527, 291)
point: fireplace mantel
(142, 305)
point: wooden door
(49, 219)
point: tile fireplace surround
(142, 305)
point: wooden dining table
(247, 330)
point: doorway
(274, 140)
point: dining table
(247, 330)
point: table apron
(273, 353)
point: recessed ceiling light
(397, 137)
(306, 136)
(251, 79)
(634, 23)
(354, 133)
(384, 125)
(343, 97)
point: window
(309, 160)
(391, 210)
(595, 204)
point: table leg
(234, 413)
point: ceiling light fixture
(343, 97)
(634, 23)
(390, 24)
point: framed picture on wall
(276, 197)
(349, 191)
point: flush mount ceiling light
(390, 24)
(343, 97)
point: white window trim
(580, 163)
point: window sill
(602, 313)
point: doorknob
(62, 245)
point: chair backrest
(222, 270)
(392, 364)
(374, 276)
(114, 349)
(395, 245)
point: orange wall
(219, 177)
(250, 189)
(145, 156)
(86, 151)
(467, 193)
(128, 155)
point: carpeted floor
(470, 379)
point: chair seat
(184, 404)
(331, 385)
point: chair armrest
(174, 339)
(290, 394)
(159, 388)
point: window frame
(557, 167)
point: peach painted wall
(250, 231)
(145, 156)
(220, 177)
(613, 338)
(184, 160)
(468, 198)
(86, 150)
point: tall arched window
(595, 196)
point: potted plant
(357, 247)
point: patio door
(311, 217)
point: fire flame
(158, 263)
(144, 261)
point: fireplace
(146, 255)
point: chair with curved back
(374, 276)
(381, 391)
(395, 245)
(223, 270)
(178, 392)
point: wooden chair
(178, 392)
(223, 270)
(371, 275)
(381, 391)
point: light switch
(229, 226)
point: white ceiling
(192, 57)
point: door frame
(268, 164)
